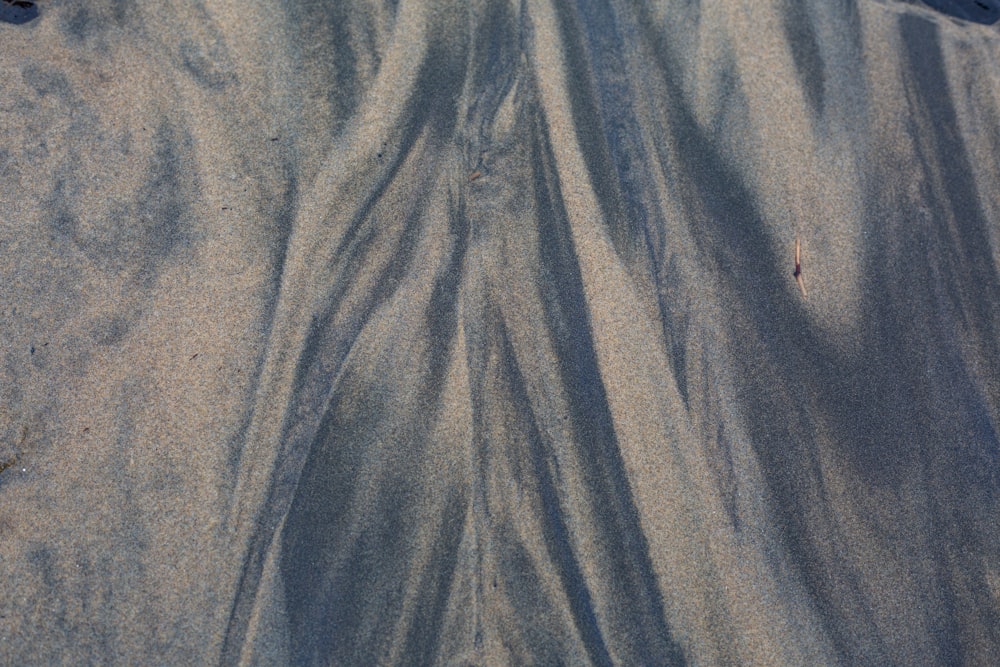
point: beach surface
(489, 333)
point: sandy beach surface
(499, 333)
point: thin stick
(799, 278)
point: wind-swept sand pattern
(467, 333)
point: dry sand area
(471, 333)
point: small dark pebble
(17, 11)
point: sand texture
(466, 333)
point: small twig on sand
(799, 278)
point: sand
(467, 333)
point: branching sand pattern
(466, 333)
